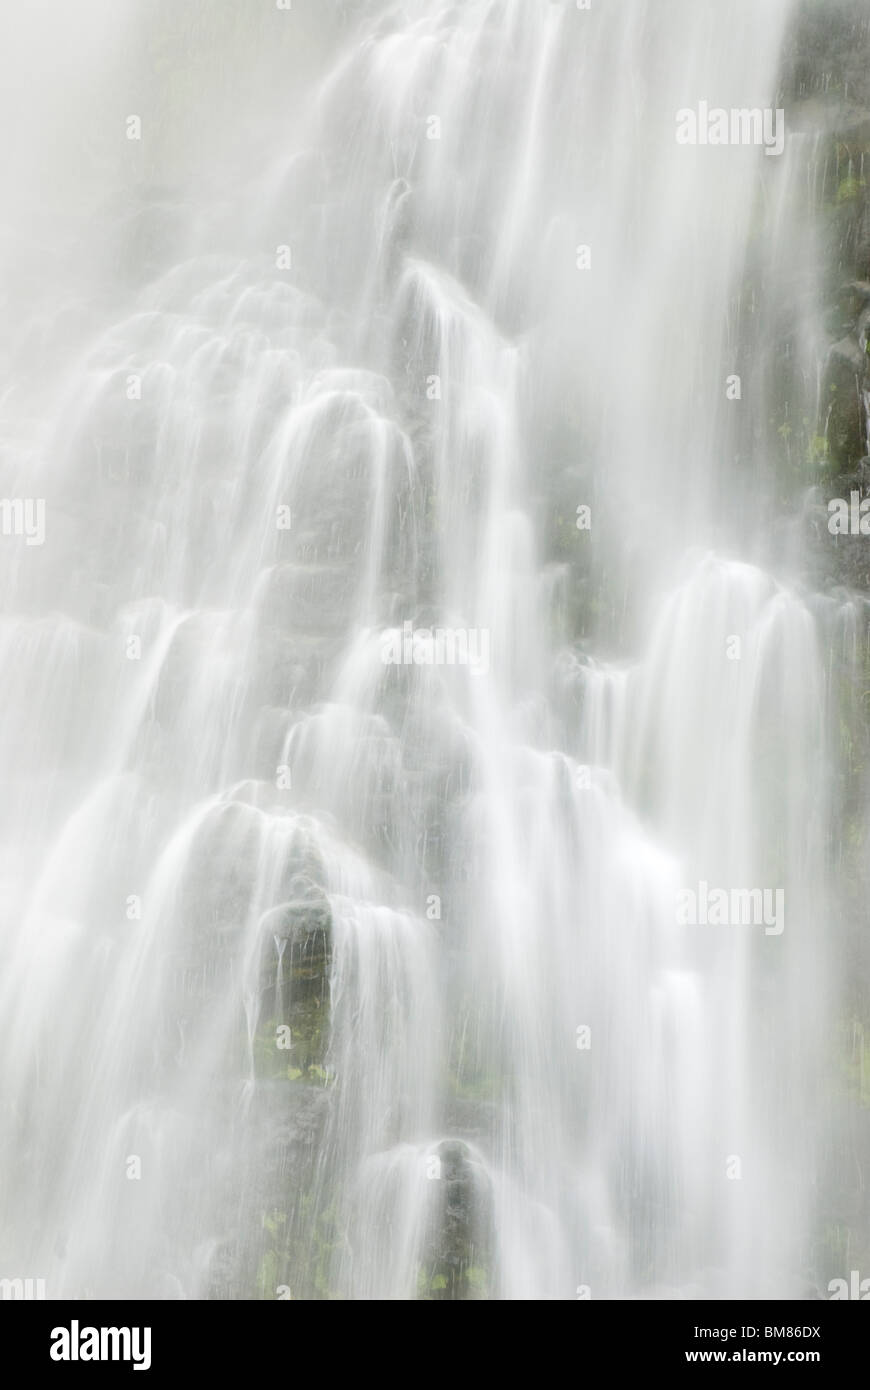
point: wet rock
(457, 1264)
(295, 972)
(842, 393)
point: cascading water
(343, 961)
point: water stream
(339, 961)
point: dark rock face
(826, 89)
(843, 386)
(827, 92)
(295, 972)
(817, 433)
(457, 1265)
(286, 1199)
(279, 1238)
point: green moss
(300, 1250)
(850, 188)
(274, 1063)
(817, 450)
(441, 1283)
(316, 1073)
(853, 1055)
(474, 1085)
(274, 1222)
(267, 1276)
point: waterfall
(423, 729)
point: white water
(448, 1040)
